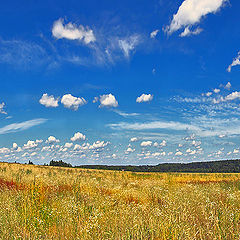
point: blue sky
(139, 82)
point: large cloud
(72, 32)
(48, 101)
(144, 98)
(190, 13)
(108, 100)
(72, 102)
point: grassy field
(38, 202)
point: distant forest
(224, 166)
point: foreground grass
(38, 202)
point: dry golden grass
(38, 202)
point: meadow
(43, 202)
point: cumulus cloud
(178, 153)
(108, 100)
(72, 32)
(129, 150)
(98, 145)
(72, 102)
(191, 12)
(30, 144)
(216, 90)
(17, 127)
(154, 33)
(128, 44)
(187, 32)
(52, 139)
(235, 62)
(68, 145)
(78, 136)
(144, 98)
(146, 143)
(133, 139)
(48, 101)
(2, 111)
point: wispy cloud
(235, 62)
(171, 125)
(124, 114)
(18, 127)
(23, 54)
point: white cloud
(52, 139)
(163, 143)
(78, 136)
(72, 32)
(154, 33)
(17, 127)
(128, 44)
(235, 151)
(208, 94)
(144, 98)
(216, 90)
(154, 125)
(228, 86)
(30, 144)
(129, 150)
(146, 143)
(14, 146)
(235, 62)
(48, 101)
(108, 100)
(187, 32)
(68, 145)
(72, 102)
(191, 12)
(2, 105)
(4, 150)
(133, 139)
(124, 114)
(98, 144)
(178, 153)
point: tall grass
(38, 202)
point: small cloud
(187, 32)
(235, 62)
(71, 31)
(153, 34)
(133, 139)
(144, 98)
(128, 44)
(216, 90)
(146, 143)
(52, 139)
(228, 86)
(178, 153)
(48, 101)
(78, 136)
(2, 106)
(208, 94)
(72, 102)
(129, 150)
(108, 100)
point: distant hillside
(224, 166)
